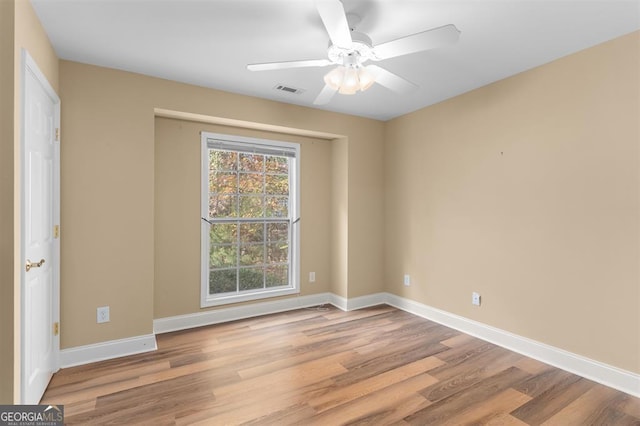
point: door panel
(40, 250)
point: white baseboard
(608, 375)
(80, 355)
(233, 313)
(366, 301)
(339, 301)
(605, 374)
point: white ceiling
(210, 42)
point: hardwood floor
(327, 367)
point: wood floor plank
(359, 370)
(78, 407)
(545, 405)
(550, 379)
(91, 392)
(462, 376)
(258, 403)
(278, 321)
(627, 404)
(344, 394)
(299, 375)
(504, 420)
(335, 314)
(92, 381)
(461, 353)
(532, 366)
(382, 402)
(494, 406)
(584, 409)
(446, 408)
(296, 414)
(375, 366)
(460, 339)
(393, 413)
(145, 409)
(611, 416)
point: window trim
(289, 149)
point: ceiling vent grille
(288, 89)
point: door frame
(28, 65)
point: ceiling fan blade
(391, 81)
(289, 64)
(418, 42)
(335, 21)
(325, 95)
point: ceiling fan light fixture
(350, 83)
(366, 78)
(348, 80)
(335, 77)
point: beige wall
(108, 208)
(177, 212)
(366, 218)
(19, 28)
(29, 34)
(6, 200)
(527, 191)
(340, 217)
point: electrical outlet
(407, 280)
(103, 314)
(475, 298)
(312, 277)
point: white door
(40, 244)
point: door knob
(31, 264)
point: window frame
(249, 145)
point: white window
(250, 208)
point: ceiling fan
(350, 49)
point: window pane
(223, 233)
(251, 278)
(277, 253)
(223, 205)
(277, 184)
(251, 162)
(277, 275)
(278, 231)
(252, 254)
(247, 255)
(223, 182)
(223, 281)
(223, 256)
(251, 183)
(251, 206)
(277, 206)
(251, 232)
(275, 164)
(222, 160)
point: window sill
(246, 296)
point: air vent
(288, 89)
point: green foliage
(251, 278)
(276, 276)
(222, 281)
(248, 256)
(223, 233)
(225, 280)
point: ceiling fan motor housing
(360, 51)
